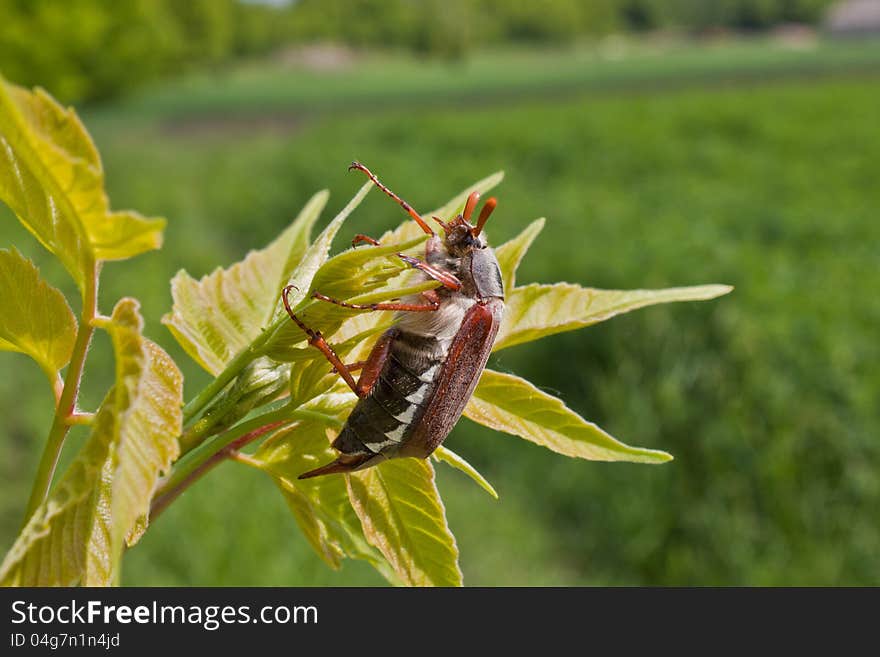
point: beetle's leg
(372, 367)
(374, 364)
(433, 303)
(317, 341)
(406, 206)
(364, 238)
(353, 367)
(448, 280)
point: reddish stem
(162, 501)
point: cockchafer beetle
(421, 372)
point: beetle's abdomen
(383, 420)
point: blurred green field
(748, 165)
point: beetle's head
(462, 237)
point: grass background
(747, 164)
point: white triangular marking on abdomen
(407, 416)
(428, 375)
(417, 396)
(397, 434)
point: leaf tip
(657, 456)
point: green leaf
(149, 392)
(320, 506)
(507, 403)
(363, 269)
(449, 457)
(36, 319)
(288, 334)
(511, 253)
(77, 534)
(217, 316)
(402, 515)
(534, 311)
(316, 254)
(52, 178)
(68, 535)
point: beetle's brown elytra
(421, 372)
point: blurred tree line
(451, 27)
(95, 49)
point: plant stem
(161, 502)
(81, 418)
(254, 350)
(192, 409)
(67, 404)
(247, 459)
(191, 468)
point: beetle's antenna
(488, 208)
(406, 206)
(442, 223)
(472, 201)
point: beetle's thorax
(477, 269)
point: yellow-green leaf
(77, 534)
(449, 457)
(511, 253)
(534, 311)
(36, 319)
(314, 259)
(353, 277)
(320, 506)
(68, 534)
(121, 235)
(222, 313)
(507, 403)
(149, 393)
(402, 515)
(316, 254)
(51, 176)
(362, 269)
